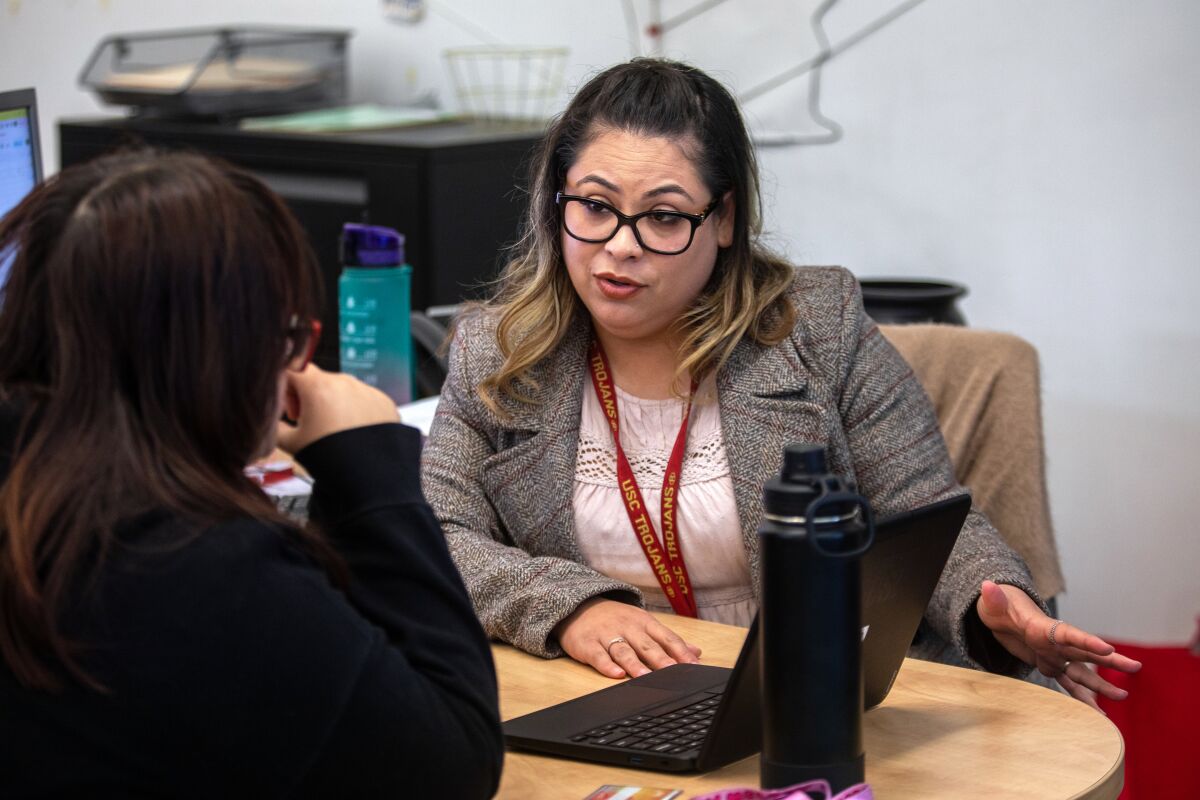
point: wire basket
(507, 83)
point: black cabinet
(450, 188)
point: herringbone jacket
(502, 489)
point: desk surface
(942, 732)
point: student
(640, 276)
(164, 630)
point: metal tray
(220, 72)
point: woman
(165, 631)
(640, 277)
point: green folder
(347, 118)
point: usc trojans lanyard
(665, 559)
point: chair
(428, 335)
(985, 389)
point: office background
(1043, 152)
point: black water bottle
(815, 530)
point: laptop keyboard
(678, 731)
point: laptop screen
(20, 161)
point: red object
(665, 559)
(1160, 721)
(270, 474)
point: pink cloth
(812, 790)
(709, 530)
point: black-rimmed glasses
(660, 231)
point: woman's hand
(619, 639)
(321, 403)
(1059, 650)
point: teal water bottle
(374, 307)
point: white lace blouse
(709, 532)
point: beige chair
(986, 390)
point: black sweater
(237, 669)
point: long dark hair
(746, 295)
(151, 302)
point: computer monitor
(20, 156)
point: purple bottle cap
(371, 246)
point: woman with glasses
(164, 631)
(611, 415)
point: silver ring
(1053, 628)
(611, 642)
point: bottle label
(373, 335)
(373, 329)
(362, 355)
(360, 329)
(360, 326)
(359, 304)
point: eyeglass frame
(313, 329)
(631, 220)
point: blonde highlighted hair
(535, 302)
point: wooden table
(942, 732)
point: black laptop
(695, 717)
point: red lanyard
(666, 560)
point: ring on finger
(1066, 665)
(611, 642)
(1053, 628)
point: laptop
(694, 717)
(20, 156)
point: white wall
(1044, 152)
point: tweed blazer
(502, 488)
